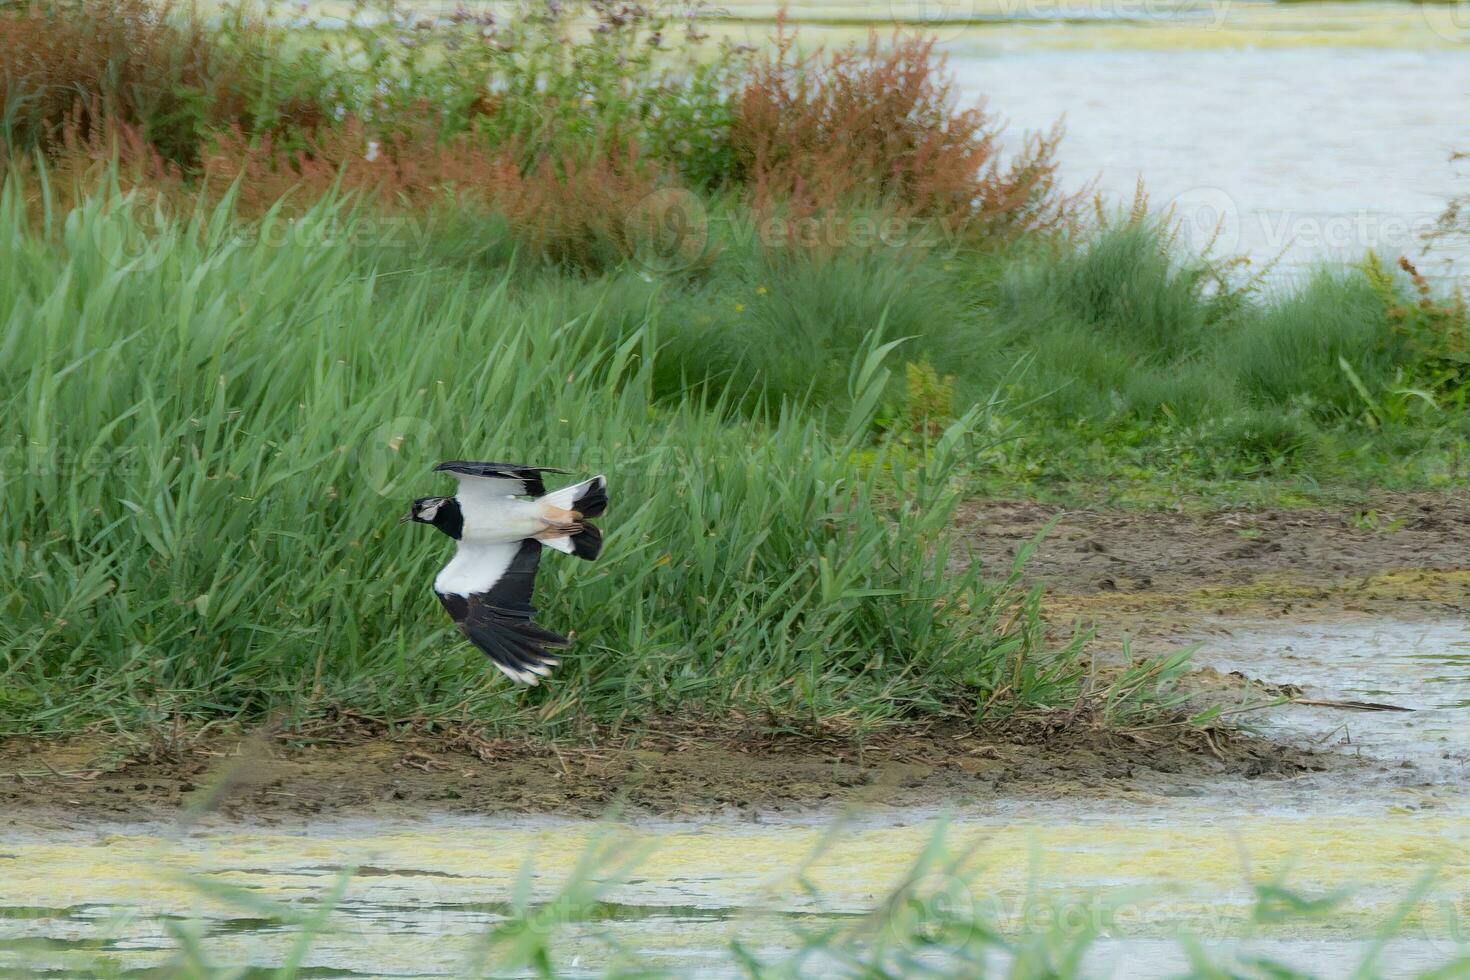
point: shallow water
(1141, 870)
(1292, 133)
(1424, 666)
(1288, 156)
(432, 890)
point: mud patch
(1106, 551)
(1050, 757)
(1157, 579)
(1344, 626)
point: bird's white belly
(502, 519)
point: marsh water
(1291, 134)
(1292, 157)
(1142, 869)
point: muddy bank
(1158, 580)
(282, 777)
(1105, 551)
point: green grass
(1115, 367)
(203, 489)
(217, 425)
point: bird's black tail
(518, 649)
(587, 543)
(592, 500)
(586, 499)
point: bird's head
(442, 512)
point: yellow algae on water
(1061, 24)
(755, 865)
(425, 894)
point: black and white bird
(487, 585)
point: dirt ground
(274, 778)
(1155, 576)
(1107, 551)
(1150, 575)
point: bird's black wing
(528, 477)
(498, 619)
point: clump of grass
(1128, 286)
(1433, 332)
(1117, 326)
(1288, 351)
(783, 327)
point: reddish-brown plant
(878, 125)
(94, 153)
(85, 65)
(576, 209)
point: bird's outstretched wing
(497, 479)
(487, 592)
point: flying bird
(486, 587)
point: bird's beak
(406, 518)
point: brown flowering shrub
(84, 69)
(573, 121)
(575, 210)
(93, 153)
(878, 125)
(584, 211)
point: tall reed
(215, 433)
